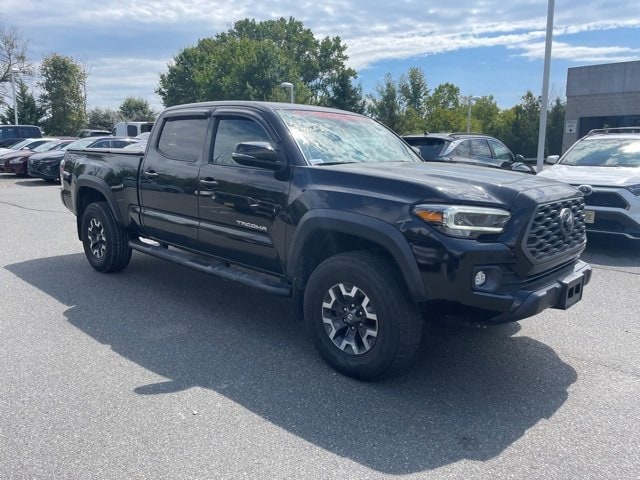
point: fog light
(480, 278)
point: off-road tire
(105, 242)
(376, 294)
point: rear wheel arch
(92, 190)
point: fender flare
(98, 184)
(369, 228)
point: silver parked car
(605, 166)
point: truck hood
(459, 182)
(599, 176)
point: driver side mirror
(258, 154)
(552, 159)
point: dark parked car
(16, 162)
(470, 148)
(47, 165)
(11, 134)
(28, 145)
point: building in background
(601, 96)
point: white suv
(605, 166)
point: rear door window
(183, 138)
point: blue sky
(484, 47)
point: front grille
(549, 237)
(606, 199)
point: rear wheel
(105, 242)
(361, 320)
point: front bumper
(561, 293)
(46, 171)
(616, 212)
(17, 168)
(449, 273)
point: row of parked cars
(604, 165)
(41, 157)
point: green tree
(136, 110)
(484, 115)
(442, 119)
(102, 118)
(414, 90)
(525, 126)
(252, 59)
(503, 128)
(29, 112)
(445, 95)
(445, 111)
(385, 106)
(414, 95)
(343, 94)
(555, 127)
(62, 94)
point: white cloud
(111, 80)
(579, 54)
(119, 37)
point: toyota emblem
(586, 189)
(566, 221)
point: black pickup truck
(336, 211)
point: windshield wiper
(332, 163)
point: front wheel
(361, 320)
(105, 242)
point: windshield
(82, 143)
(609, 152)
(332, 137)
(19, 145)
(46, 146)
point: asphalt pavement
(160, 372)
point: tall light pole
(14, 72)
(542, 132)
(288, 85)
(470, 98)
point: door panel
(168, 181)
(239, 205)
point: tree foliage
(29, 111)
(136, 109)
(386, 106)
(525, 126)
(555, 127)
(62, 94)
(102, 118)
(408, 106)
(252, 59)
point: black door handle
(208, 182)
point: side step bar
(214, 267)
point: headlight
(463, 221)
(635, 189)
(15, 161)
